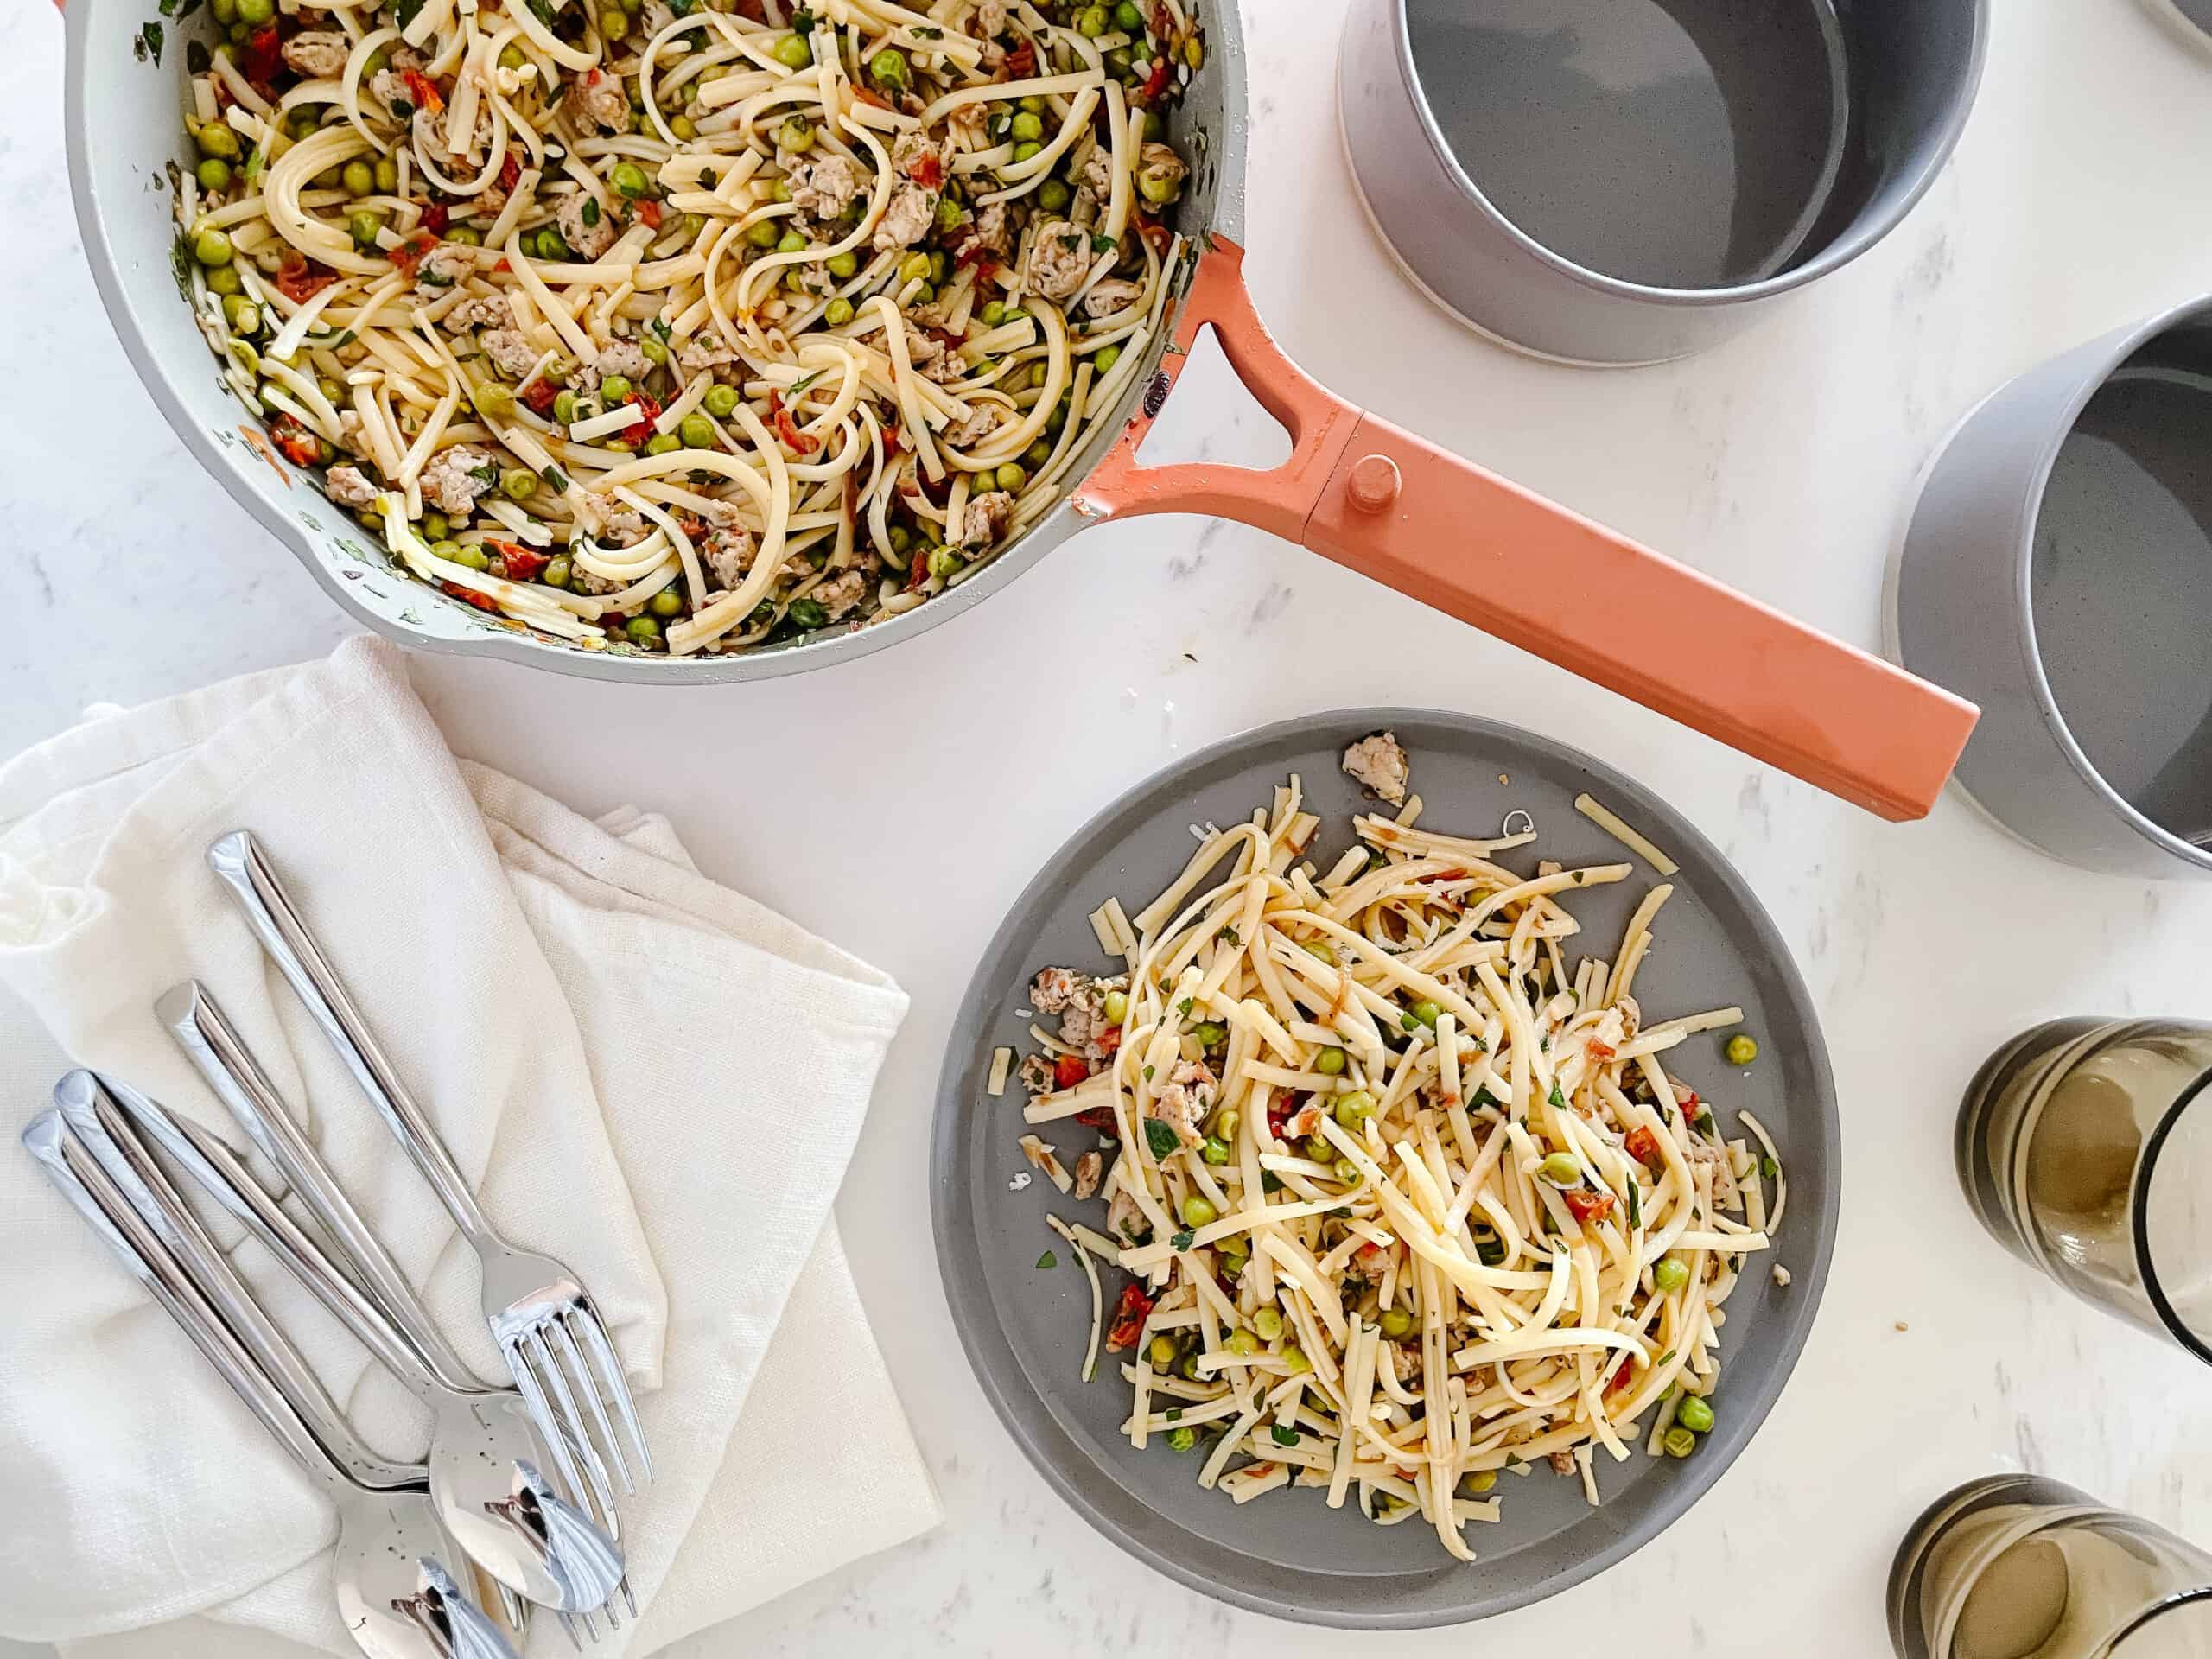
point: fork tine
(599, 1498)
(568, 1624)
(564, 1343)
(532, 1389)
(551, 1371)
(612, 1379)
(628, 1600)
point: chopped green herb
(589, 212)
(1181, 1241)
(1634, 1209)
(801, 384)
(1148, 1074)
(802, 21)
(1269, 1181)
(408, 9)
(1558, 1100)
(1048, 1260)
(1173, 1413)
(556, 480)
(1664, 1358)
(147, 43)
(1768, 1168)
(1483, 1097)
(1159, 1137)
(927, 32)
(196, 61)
(1102, 242)
(1282, 1436)
(659, 325)
(1230, 936)
(1183, 1007)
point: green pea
(1354, 1108)
(434, 524)
(564, 406)
(888, 67)
(358, 177)
(448, 551)
(1330, 1063)
(796, 133)
(901, 539)
(1107, 358)
(994, 312)
(1740, 1051)
(474, 557)
(1233, 1261)
(642, 629)
(1268, 1323)
(376, 63)
(1194, 53)
(242, 315)
(1671, 1274)
(940, 266)
(1022, 152)
(1214, 1150)
(793, 52)
(654, 347)
(213, 174)
(1679, 1442)
(1181, 1439)
(791, 242)
(1162, 1349)
(612, 24)
(1211, 1033)
(466, 236)
(949, 215)
(494, 402)
(614, 389)
(837, 312)
(663, 443)
(239, 35)
(332, 391)
(518, 484)
(914, 268)
(843, 265)
(1243, 1343)
(781, 192)
(1117, 1006)
(1058, 418)
(943, 562)
(1117, 61)
(1561, 1169)
(1155, 126)
(364, 223)
(1397, 1322)
(224, 279)
(721, 402)
(629, 180)
(1159, 189)
(1092, 21)
(254, 13)
(212, 248)
(511, 57)
(1038, 452)
(1694, 1415)
(1026, 127)
(1428, 1013)
(1294, 1357)
(1053, 196)
(683, 127)
(549, 245)
(763, 234)
(225, 12)
(1198, 1210)
(1128, 18)
(387, 174)
(667, 602)
(697, 432)
(556, 573)
(217, 140)
(1319, 1148)
(1011, 476)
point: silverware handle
(78, 1176)
(239, 861)
(213, 1045)
(227, 1179)
(88, 1105)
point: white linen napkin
(645, 1074)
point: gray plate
(1025, 1330)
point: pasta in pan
(1407, 1196)
(680, 327)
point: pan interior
(1680, 144)
(1024, 1321)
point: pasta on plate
(680, 327)
(1405, 1190)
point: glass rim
(2155, 1612)
(2139, 1220)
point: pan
(1024, 1325)
(1355, 488)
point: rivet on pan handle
(1379, 500)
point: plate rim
(1014, 1400)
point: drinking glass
(2085, 1147)
(2016, 1566)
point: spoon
(395, 1594)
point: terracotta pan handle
(1379, 500)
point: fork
(542, 1319)
(395, 1594)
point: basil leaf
(1558, 1100)
(1181, 1241)
(1159, 1137)
(1282, 1436)
(1048, 1260)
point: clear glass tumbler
(2016, 1566)
(2084, 1146)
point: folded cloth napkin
(645, 1074)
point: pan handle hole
(1210, 417)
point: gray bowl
(1024, 1330)
(1477, 131)
(2068, 737)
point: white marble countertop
(1782, 462)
